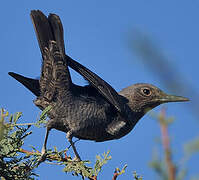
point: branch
(93, 178)
(166, 145)
(115, 175)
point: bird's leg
(69, 137)
(43, 151)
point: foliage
(13, 164)
(17, 163)
(165, 167)
(192, 147)
(136, 176)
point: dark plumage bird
(93, 112)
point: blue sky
(97, 34)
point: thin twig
(49, 157)
(166, 145)
(93, 178)
(115, 175)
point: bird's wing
(57, 31)
(31, 84)
(55, 76)
(102, 87)
(42, 29)
(50, 28)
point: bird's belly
(104, 133)
(84, 119)
(89, 120)
(95, 133)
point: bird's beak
(171, 98)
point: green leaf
(136, 176)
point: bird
(95, 111)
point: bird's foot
(43, 156)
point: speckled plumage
(93, 112)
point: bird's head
(144, 97)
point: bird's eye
(146, 91)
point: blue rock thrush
(92, 112)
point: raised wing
(55, 79)
(50, 29)
(31, 84)
(102, 86)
